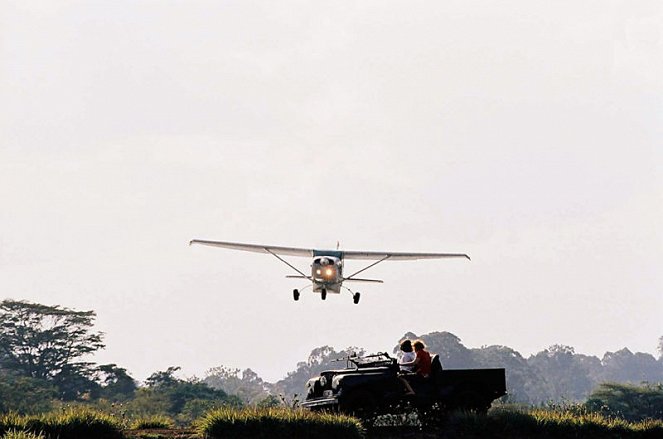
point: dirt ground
(383, 433)
(161, 433)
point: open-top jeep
(372, 385)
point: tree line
(42, 349)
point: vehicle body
(327, 265)
(372, 385)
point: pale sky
(528, 134)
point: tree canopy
(44, 341)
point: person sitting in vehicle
(422, 360)
(406, 364)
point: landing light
(329, 272)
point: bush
(547, 423)
(277, 423)
(157, 421)
(70, 424)
(633, 403)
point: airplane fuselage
(327, 273)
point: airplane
(327, 266)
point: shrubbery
(70, 424)
(574, 422)
(633, 403)
(277, 423)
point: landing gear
(355, 298)
(323, 293)
(295, 294)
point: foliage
(116, 384)
(69, 424)
(156, 421)
(47, 342)
(247, 385)
(563, 374)
(630, 402)
(558, 422)
(269, 401)
(24, 394)
(277, 423)
(627, 367)
(182, 400)
(16, 434)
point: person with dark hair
(406, 364)
(408, 356)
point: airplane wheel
(355, 297)
(323, 294)
(295, 294)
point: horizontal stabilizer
(355, 279)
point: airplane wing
(400, 256)
(258, 248)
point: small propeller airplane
(327, 266)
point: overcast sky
(526, 133)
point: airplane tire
(323, 294)
(295, 294)
(355, 298)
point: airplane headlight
(318, 271)
(329, 272)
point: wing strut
(286, 262)
(366, 268)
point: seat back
(436, 366)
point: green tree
(625, 366)
(47, 343)
(173, 394)
(247, 385)
(631, 402)
(116, 384)
(565, 375)
(521, 379)
(23, 394)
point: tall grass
(68, 424)
(547, 423)
(277, 423)
(156, 421)
(15, 434)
